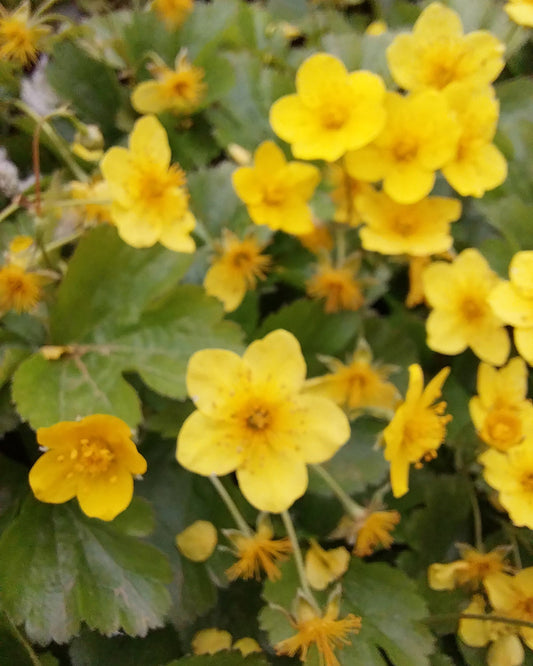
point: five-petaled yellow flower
(150, 200)
(252, 417)
(417, 429)
(21, 35)
(92, 459)
(332, 111)
(277, 192)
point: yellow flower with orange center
(521, 11)
(470, 571)
(21, 35)
(20, 290)
(438, 53)
(253, 417)
(173, 12)
(150, 202)
(337, 285)
(368, 530)
(501, 413)
(236, 269)
(417, 429)
(92, 459)
(332, 111)
(179, 90)
(277, 192)
(462, 315)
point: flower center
(473, 309)
(424, 433)
(93, 456)
(527, 483)
(504, 428)
(405, 149)
(275, 194)
(333, 116)
(405, 225)
(259, 419)
(443, 62)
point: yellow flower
(417, 429)
(417, 229)
(437, 53)
(333, 111)
(211, 641)
(513, 302)
(277, 192)
(478, 165)
(521, 11)
(512, 596)
(325, 631)
(20, 290)
(198, 541)
(236, 269)
(150, 200)
(501, 414)
(358, 385)
(20, 35)
(511, 474)
(417, 266)
(95, 191)
(252, 417)
(470, 571)
(338, 286)
(179, 90)
(345, 193)
(370, 529)
(462, 316)
(173, 12)
(322, 567)
(92, 459)
(257, 552)
(420, 137)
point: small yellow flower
(325, 631)
(420, 137)
(252, 417)
(332, 111)
(95, 192)
(150, 200)
(437, 53)
(370, 529)
(179, 90)
(21, 35)
(470, 571)
(173, 12)
(521, 11)
(236, 269)
(501, 414)
(417, 429)
(338, 286)
(277, 192)
(20, 290)
(462, 315)
(257, 553)
(92, 459)
(417, 229)
(198, 541)
(322, 567)
(211, 641)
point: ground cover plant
(266, 322)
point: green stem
(230, 505)
(15, 205)
(14, 630)
(44, 7)
(298, 559)
(478, 526)
(446, 617)
(350, 506)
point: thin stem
(44, 7)
(13, 206)
(478, 526)
(350, 506)
(515, 547)
(446, 617)
(14, 630)
(298, 559)
(36, 163)
(230, 505)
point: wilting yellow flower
(252, 417)
(345, 194)
(258, 552)
(511, 474)
(20, 290)
(437, 53)
(95, 191)
(211, 641)
(277, 192)
(512, 596)
(470, 571)
(198, 541)
(332, 111)
(179, 90)
(236, 269)
(462, 316)
(368, 530)
(420, 137)
(417, 429)
(317, 240)
(92, 459)
(478, 165)
(417, 229)
(322, 567)
(21, 35)
(513, 302)
(338, 286)
(501, 414)
(150, 200)
(521, 11)
(417, 266)
(173, 12)
(246, 646)
(325, 631)
(357, 385)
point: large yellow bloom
(21, 35)
(417, 429)
(420, 137)
(462, 316)
(253, 418)
(277, 192)
(418, 229)
(150, 200)
(93, 460)
(521, 11)
(332, 111)
(501, 414)
(437, 53)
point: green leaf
(13, 649)
(61, 568)
(225, 658)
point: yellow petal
(149, 142)
(444, 334)
(511, 306)
(475, 633)
(150, 97)
(51, 478)
(209, 374)
(319, 77)
(198, 541)
(438, 21)
(175, 235)
(226, 284)
(105, 495)
(408, 184)
(268, 158)
(116, 169)
(135, 230)
(506, 650)
(492, 344)
(501, 590)
(322, 567)
(482, 169)
(521, 13)
(290, 120)
(246, 646)
(523, 338)
(443, 576)
(211, 641)
(521, 273)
